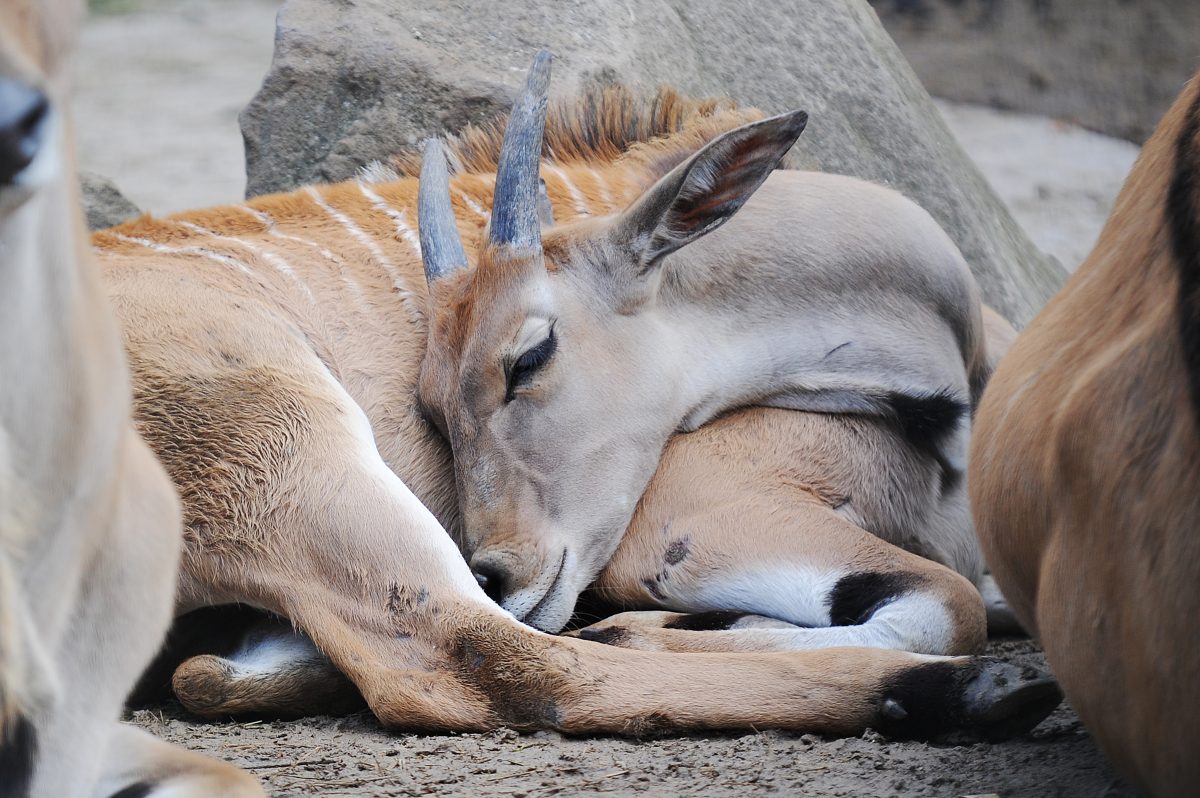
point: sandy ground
(353, 756)
(159, 84)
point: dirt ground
(158, 87)
(354, 756)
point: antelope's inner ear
(704, 192)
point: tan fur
(88, 521)
(1084, 475)
(276, 349)
(758, 488)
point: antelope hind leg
(275, 671)
(1001, 620)
(799, 561)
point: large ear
(704, 192)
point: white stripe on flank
(354, 230)
(475, 207)
(602, 190)
(273, 230)
(216, 257)
(279, 264)
(398, 217)
(577, 198)
(357, 233)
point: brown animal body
(1085, 467)
(88, 520)
(277, 351)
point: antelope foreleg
(533, 680)
(145, 766)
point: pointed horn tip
(539, 71)
(432, 149)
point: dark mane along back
(1183, 222)
(601, 125)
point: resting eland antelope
(1086, 470)
(89, 540)
(560, 365)
(288, 359)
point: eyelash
(523, 368)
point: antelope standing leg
(122, 607)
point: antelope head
(552, 367)
(34, 36)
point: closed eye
(521, 370)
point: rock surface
(1109, 65)
(1059, 180)
(352, 80)
(103, 203)
(157, 88)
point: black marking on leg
(856, 597)
(924, 701)
(928, 419)
(139, 790)
(523, 690)
(18, 750)
(1183, 221)
(677, 551)
(404, 600)
(608, 635)
(714, 621)
(981, 699)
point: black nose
(22, 115)
(491, 579)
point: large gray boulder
(1109, 65)
(353, 80)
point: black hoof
(967, 701)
